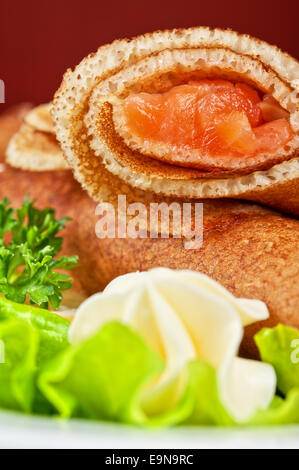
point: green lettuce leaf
(279, 347)
(207, 406)
(18, 349)
(29, 337)
(281, 411)
(102, 377)
(53, 329)
(106, 376)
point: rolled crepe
(251, 250)
(35, 147)
(95, 137)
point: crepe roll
(34, 146)
(251, 250)
(189, 113)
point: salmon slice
(215, 117)
(230, 134)
(273, 135)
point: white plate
(21, 431)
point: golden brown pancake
(35, 147)
(251, 250)
(89, 123)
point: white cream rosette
(184, 316)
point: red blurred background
(40, 39)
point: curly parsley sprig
(28, 246)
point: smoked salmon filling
(206, 123)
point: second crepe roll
(251, 250)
